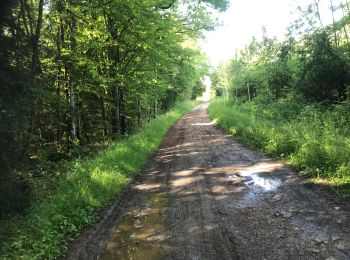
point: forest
(90, 87)
(79, 77)
(290, 98)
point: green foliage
(284, 80)
(316, 66)
(77, 74)
(89, 185)
(307, 136)
(324, 75)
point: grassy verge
(312, 138)
(90, 184)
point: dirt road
(203, 196)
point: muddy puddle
(265, 184)
(257, 181)
(226, 202)
(135, 237)
(253, 186)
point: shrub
(311, 137)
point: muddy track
(204, 196)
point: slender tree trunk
(344, 28)
(67, 112)
(59, 44)
(72, 83)
(335, 32)
(316, 2)
(123, 124)
(156, 108)
(73, 113)
(248, 89)
(139, 112)
(30, 18)
(80, 122)
(58, 96)
(116, 111)
(104, 120)
(35, 65)
(150, 113)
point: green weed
(312, 138)
(89, 185)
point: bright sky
(245, 18)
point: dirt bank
(204, 196)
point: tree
(76, 73)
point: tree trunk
(59, 44)
(104, 120)
(116, 111)
(156, 108)
(58, 96)
(150, 113)
(316, 2)
(139, 112)
(248, 89)
(73, 113)
(123, 125)
(344, 28)
(35, 65)
(335, 32)
(78, 115)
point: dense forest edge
(89, 185)
(77, 78)
(290, 98)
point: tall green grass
(312, 138)
(90, 184)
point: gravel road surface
(204, 196)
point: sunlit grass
(89, 185)
(306, 137)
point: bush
(89, 185)
(312, 138)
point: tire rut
(213, 198)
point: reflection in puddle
(255, 179)
(255, 187)
(202, 124)
(135, 237)
(267, 184)
(254, 176)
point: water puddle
(266, 184)
(135, 237)
(202, 124)
(255, 184)
(256, 180)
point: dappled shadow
(225, 201)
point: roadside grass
(312, 138)
(89, 185)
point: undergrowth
(313, 138)
(90, 183)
